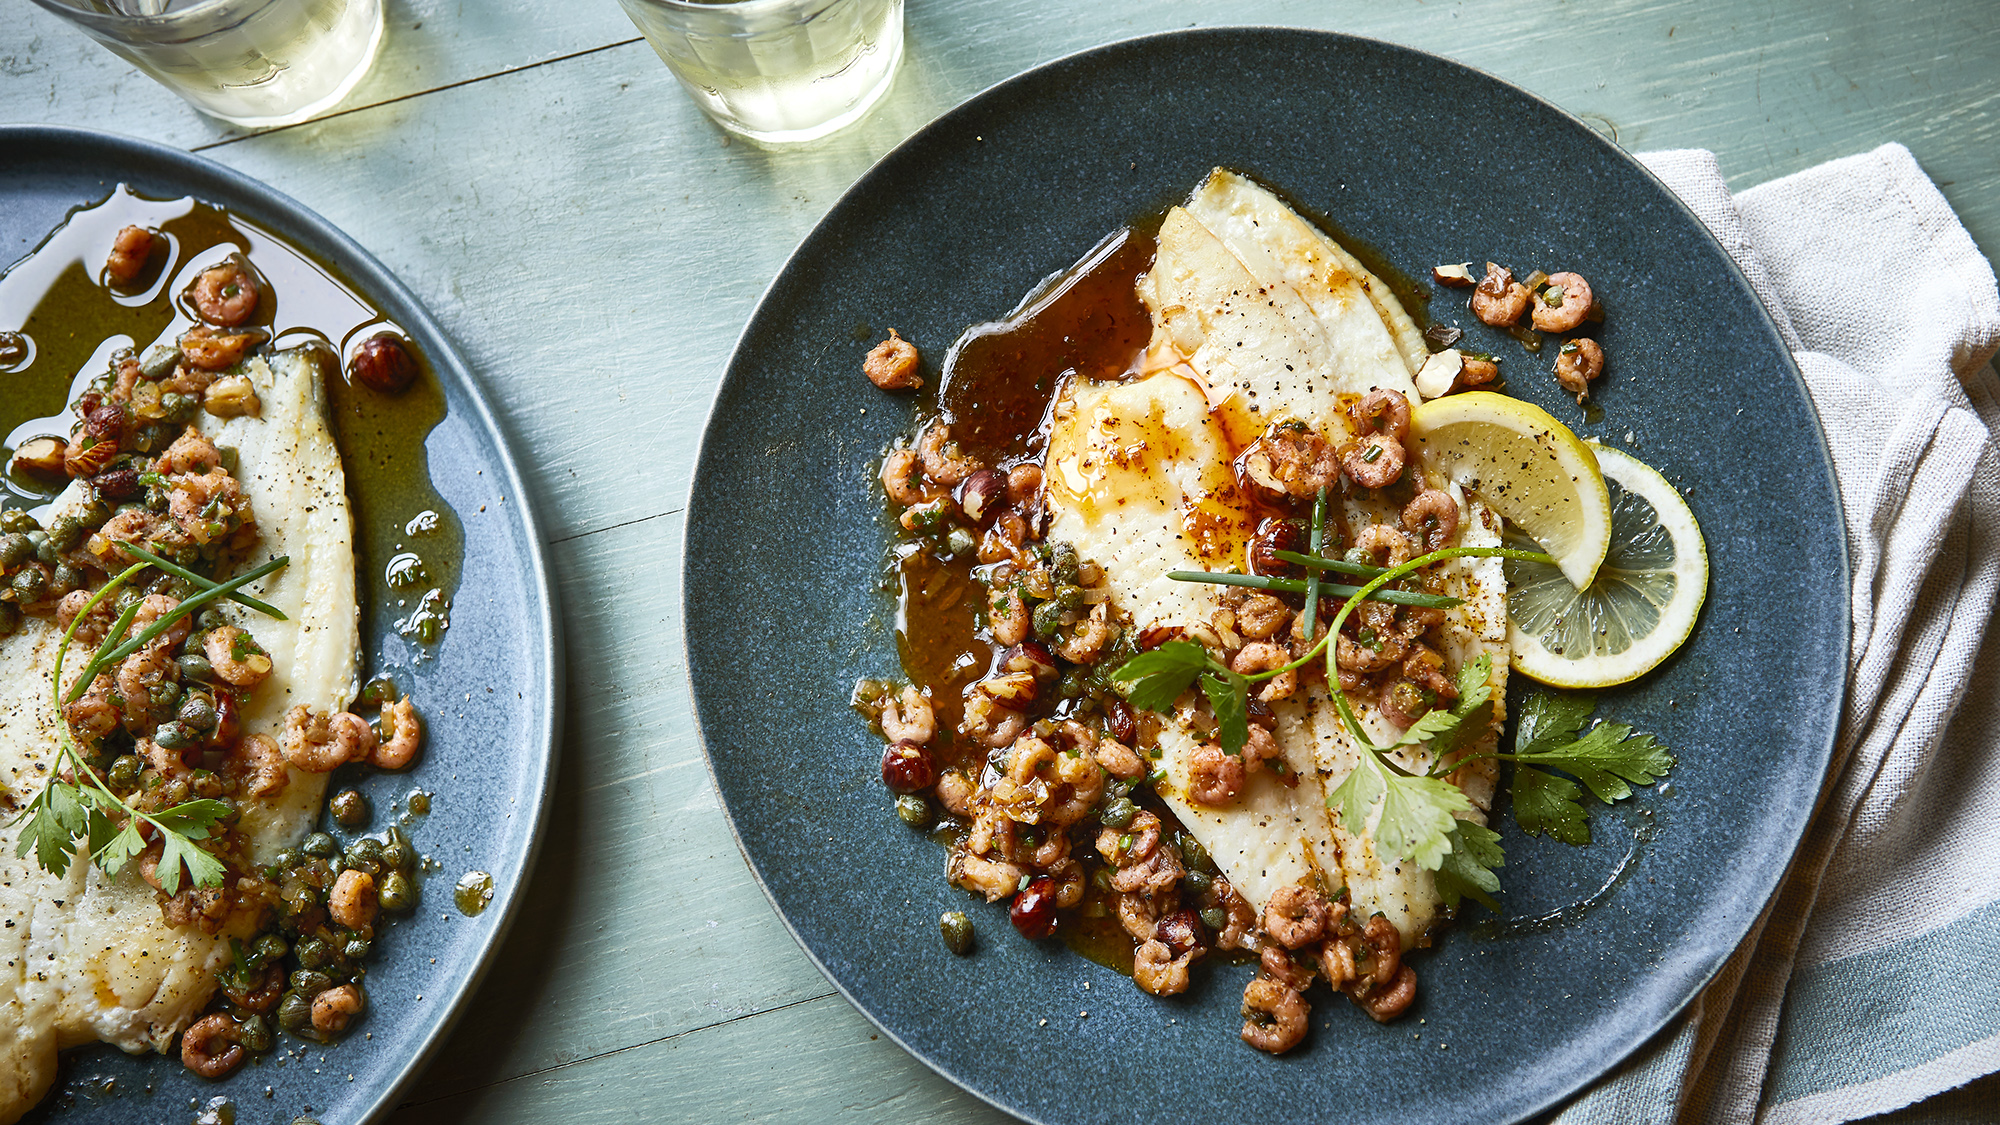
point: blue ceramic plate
(1427, 161)
(492, 696)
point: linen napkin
(1872, 981)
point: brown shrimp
(1499, 300)
(199, 1042)
(402, 734)
(941, 458)
(257, 766)
(1214, 777)
(1296, 916)
(1432, 516)
(130, 250)
(1156, 970)
(1572, 302)
(235, 657)
(225, 294)
(1274, 1016)
(908, 718)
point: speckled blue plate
(1427, 161)
(492, 697)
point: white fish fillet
(1258, 318)
(88, 958)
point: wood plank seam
(420, 93)
(573, 536)
(459, 1093)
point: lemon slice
(1527, 466)
(1642, 604)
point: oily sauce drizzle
(61, 319)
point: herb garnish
(85, 809)
(1417, 818)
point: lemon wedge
(1527, 466)
(1642, 604)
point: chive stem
(185, 609)
(265, 608)
(1314, 562)
(1308, 618)
(1327, 589)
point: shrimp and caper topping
(135, 567)
(1045, 781)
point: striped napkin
(1872, 981)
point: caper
(913, 811)
(295, 1011)
(66, 533)
(1197, 882)
(95, 510)
(1118, 812)
(956, 929)
(67, 578)
(286, 859)
(10, 618)
(1214, 917)
(356, 949)
(1069, 597)
(1063, 564)
(125, 771)
(14, 548)
(1074, 684)
(45, 548)
(196, 669)
(174, 736)
(166, 697)
(397, 854)
(31, 584)
(255, 1033)
(396, 892)
(960, 542)
(198, 711)
(378, 691)
(349, 807)
(1048, 619)
(210, 619)
(178, 407)
(321, 845)
(365, 854)
(314, 953)
(1193, 854)
(172, 585)
(16, 520)
(1360, 555)
(159, 362)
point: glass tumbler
(777, 70)
(254, 63)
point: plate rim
(713, 438)
(288, 218)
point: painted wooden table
(594, 245)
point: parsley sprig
(84, 811)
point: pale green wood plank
(814, 1062)
(53, 74)
(594, 245)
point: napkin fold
(1872, 980)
